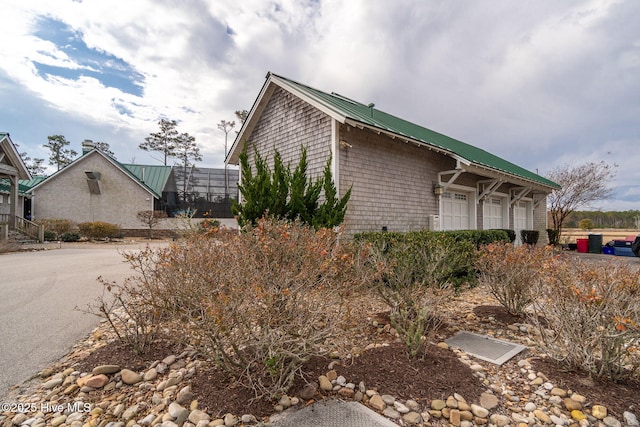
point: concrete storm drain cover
(331, 413)
(484, 347)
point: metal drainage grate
(484, 347)
(331, 413)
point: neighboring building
(12, 170)
(96, 187)
(403, 176)
(24, 197)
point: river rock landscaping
(103, 383)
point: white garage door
(493, 213)
(455, 211)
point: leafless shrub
(591, 316)
(414, 300)
(125, 308)
(511, 273)
(260, 303)
(151, 219)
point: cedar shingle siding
(288, 123)
(392, 181)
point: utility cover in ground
(485, 347)
(331, 413)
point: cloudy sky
(541, 83)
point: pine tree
(164, 141)
(279, 187)
(60, 156)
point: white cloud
(540, 83)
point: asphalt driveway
(39, 291)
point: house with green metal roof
(24, 197)
(12, 172)
(403, 176)
(96, 187)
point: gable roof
(151, 178)
(12, 163)
(356, 114)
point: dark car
(635, 246)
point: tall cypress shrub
(286, 194)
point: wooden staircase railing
(31, 229)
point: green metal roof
(23, 184)
(369, 116)
(152, 176)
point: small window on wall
(460, 196)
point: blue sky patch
(110, 70)
(121, 108)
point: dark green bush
(70, 237)
(530, 237)
(554, 236)
(457, 269)
(511, 234)
(481, 237)
(50, 236)
(99, 230)
(460, 244)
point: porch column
(13, 201)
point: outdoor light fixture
(437, 190)
(344, 144)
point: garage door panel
(493, 213)
(455, 211)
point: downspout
(335, 150)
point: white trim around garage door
(458, 208)
(495, 212)
(522, 217)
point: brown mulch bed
(390, 370)
(387, 369)
(498, 312)
(217, 393)
(123, 355)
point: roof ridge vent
(344, 98)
